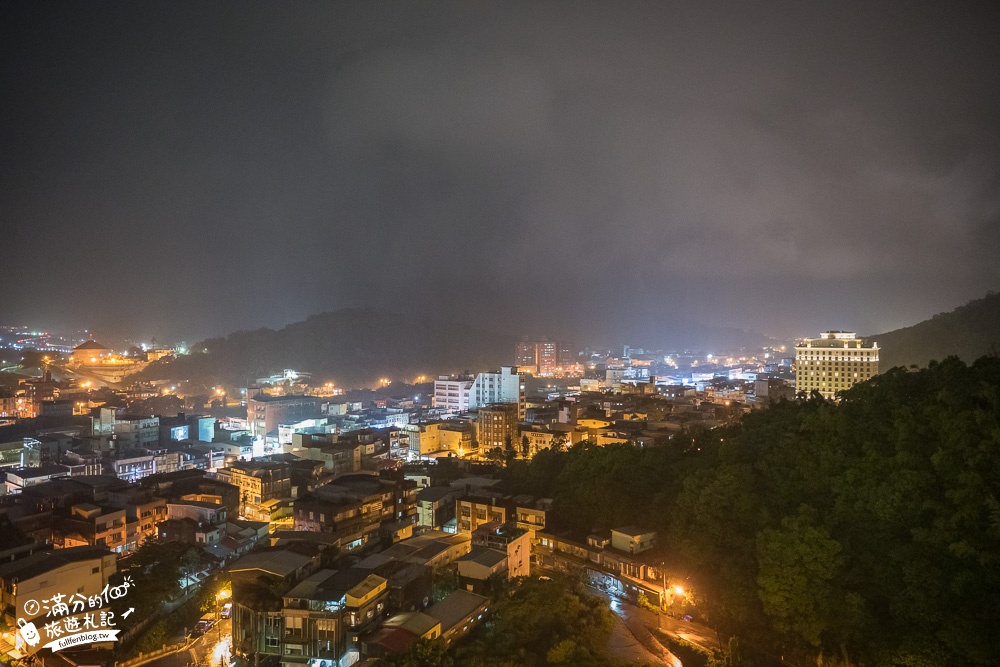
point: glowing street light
(220, 596)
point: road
(689, 631)
(649, 648)
(213, 649)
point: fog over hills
(350, 347)
(355, 347)
(968, 332)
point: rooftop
(89, 345)
(414, 621)
(45, 561)
(353, 581)
(395, 639)
(456, 607)
(40, 471)
(267, 398)
(281, 563)
(307, 587)
(482, 482)
(367, 585)
(435, 493)
(197, 503)
(485, 557)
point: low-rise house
(258, 482)
(400, 633)
(531, 514)
(260, 580)
(19, 479)
(200, 511)
(188, 531)
(354, 507)
(474, 511)
(40, 575)
(134, 464)
(318, 617)
(436, 506)
(433, 549)
(626, 572)
(513, 542)
(459, 613)
(479, 568)
(142, 515)
(87, 524)
(632, 539)
(409, 584)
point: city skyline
(478, 334)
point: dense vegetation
(967, 332)
(156, 568)
(535, 622)
(349, 347)
(866, 532)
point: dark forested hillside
(866, 531)
(349, 347)
(968, 332)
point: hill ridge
(968, 332)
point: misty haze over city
(493, 334)
(593, 170)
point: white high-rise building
(833, 363)
(451, 394)
(458, 395)
(504, 386)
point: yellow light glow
(678, 590)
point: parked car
(227, 610)
(203, 626)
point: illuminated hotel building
(833, 363)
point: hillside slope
(968, 332)
(350, 347)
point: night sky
(585, 170)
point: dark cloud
(596, 170)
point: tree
(509, 453)
(495, 455)
(425, 653)
(859, 532)
(525, 447)
(798, 563)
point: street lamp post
(222, 595)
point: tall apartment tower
(568, 355)
(526, 357)
(833, 363)
(543, 357)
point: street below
(212, 649)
